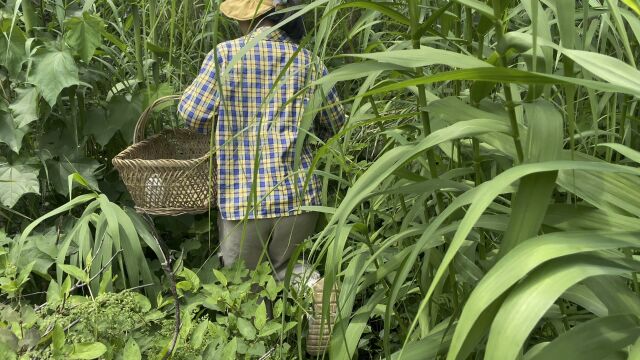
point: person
(252, 92)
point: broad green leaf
(54, 71)
(199, 332)
(537, 293)
(192, 279)
(131, 350)
(261, 316)
(87, 351)
(543, 143)
(594, 340)
(58, 340)
(519, 262)
(83, 34)
(608, 68)
(10, 133)
(229, 350)
(59, 171)
(121, 115)
(425, 56)
(16, 181)
(220, 276)
(25, 108)
(246, 329)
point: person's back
(259, 107)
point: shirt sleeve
(198, 105)
(332, 117)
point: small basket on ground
(169, 173)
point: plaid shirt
(255, 122)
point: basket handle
(138, 133)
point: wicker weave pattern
(168, 173)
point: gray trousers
(260, 240)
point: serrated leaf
(54, 70)
(131, 350)
(87, 351)
(25, 107)
(16, 181)
(246, 329)
(10, 134)
(83, 34)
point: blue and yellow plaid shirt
(257, 116)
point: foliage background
(486, 183)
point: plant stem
(422, 104)
(137, 38)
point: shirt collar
(277, 35)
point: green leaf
(229, 350)
(594, 340)
(10, 133)
(261, 316)
(87, 351)
(220, 276)
(131, 350)
(12, 50)
(519, 262)
(25, 107)
(58, 339)
(424, 57)
(59, 171)
(121, 115)
(199, 332)
(76, 272)
(271, 328)
(54, 70)
(479, 6)
(537, 293)
(634, 5)
(16, 181)
(246, 329)
(192, 279)
(83, 34)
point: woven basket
(168, 173)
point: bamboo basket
(168, 173)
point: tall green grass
(483, 200)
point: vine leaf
(83, 34)
(59, 172)
(16, 181)
(54, 71)
(11, 134)
(25, 108)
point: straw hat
(245, 10)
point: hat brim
(230, 9)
